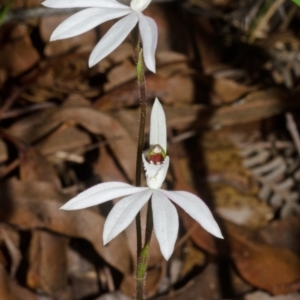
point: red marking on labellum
(156, 158)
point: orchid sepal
(158, 127)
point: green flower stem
(141, 269)
(142, 253)
(143, 104)
(5, 11)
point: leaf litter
(230, 89)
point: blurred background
(228, 75)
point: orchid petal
(86, 20)
(165, 221)
(139, 5)
(101, 193)
(158, 127)
(149, 35)
(123, 213)
(83, 3)
(156, 174)
(113, 38)
(196, 208)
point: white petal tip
(106, 239)
(65, 207)
(44, 3)
(158, 128)
(216, 231)
(152, 69)
(54, 37)
(71, 206)
(167, 255)
(91, 62)
(220, 236)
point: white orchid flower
(165, 217)
(100, 11)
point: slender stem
(142, 253)
(143, 108)
(135, 42)
(138, 56)
(149, 224)
(141, 269)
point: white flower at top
(165, 217)
(100, 11)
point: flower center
(156, 155)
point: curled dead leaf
(92, 120)
(48, 264)
(18, 54)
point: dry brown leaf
(23, 208)
(120, 74)
(18, 4)
(229, 90)
(153, 280)
(193, 257)
(11, 290)
(122, 53)
(3, 151)
(258, 262)
(114, 296)
(107, 168)
(283, 233)
(83, 43)
(259, 295)
(18, 54)
(208, 44)
(68, 139)
(21, 293)
(200, 237)
(92, 120)
(3, 259)
(35, 167)
(127, 94)
(207, 286)
(83, 275)
(12, 242)
(179, 89)
(48, 264)
(5, 292)
(3, 77)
